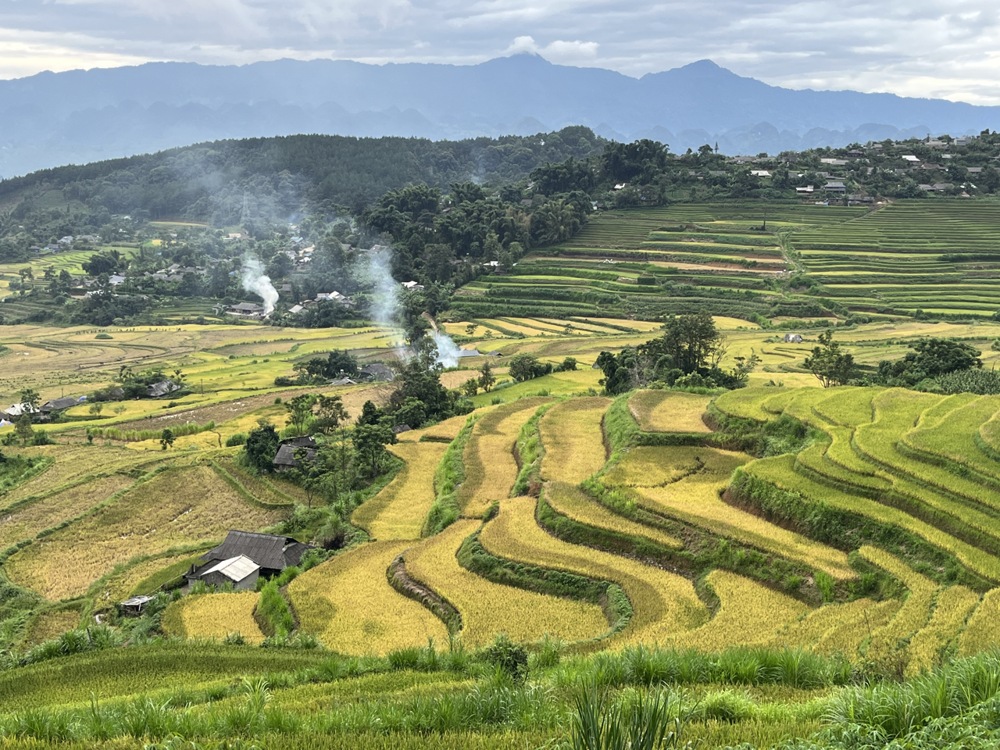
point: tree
(23, 429)
(369, 443)
(929, 359)
(166, 439)
(689, 342)
(96, 409)
(30, 398)
(330, 414)
(300, 411)
(829, 364)
(525, 367)
(486, 378)
(260, 447)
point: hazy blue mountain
(80, 116)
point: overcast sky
(930, 48)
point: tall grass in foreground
(649, 721)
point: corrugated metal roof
(235, 568)
(267, 550)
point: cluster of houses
(43, 413)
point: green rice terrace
(761, 565)
(762, 259)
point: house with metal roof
(270, 553)
(241, 572)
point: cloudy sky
(928, 48)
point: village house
(293, 451)
(244, 557)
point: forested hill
(274, 178)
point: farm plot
(50, 511)
(889, 641)
(573, 438)
(214, 617)
(489, 609)
(780, 471)
(982, 631)
(490, 464)
(663, 602)
(178, 507)
(669, 411)
(695, 498)
(399, 510)
(349, 605)
(749, 614)
(572, 502)
(931, 645)
(956, 435)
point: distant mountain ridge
(52, 119)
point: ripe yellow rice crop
(810, 629)
(746, 403)
(349, 605)
(177, 507)
(71, 465)
(214, 616)
(930, 645)
(399, 510)
(749, 615)
(573, 439)
(58, 507)
(669, 411)
(489, 609)
(490, 466)
(663, 602)
(696, 499)
(573, 503)
(913, 580)
(982, 632)
(444, 431)
(654, 466)
(847, 636)
(51, 624)
(888, 642)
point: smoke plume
(385, 291)
(255, 280)
(447, 350)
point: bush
(234, 440)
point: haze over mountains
(52, 119)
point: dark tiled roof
(267, 550)
(286, 455)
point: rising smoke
(386, 308)
(255, 280)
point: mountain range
(51, 119)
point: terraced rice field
(490, 463)
(214, 617)
(664, 602)
(399, 510)
(489, 609)
(695, 497)
(573, 503)
(27, 520)
(574, 439)
(348, 604)
(669, 411)
(178, 507)
(749, 614)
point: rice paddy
(348, 604)
(214, 617)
